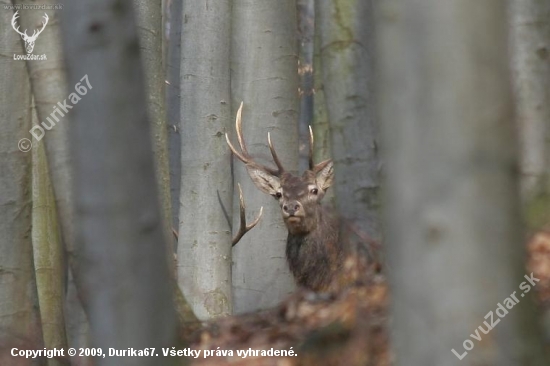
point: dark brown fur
(313, 250)
(315, 257)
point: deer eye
(314, 191)
(278, 195)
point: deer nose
(292, 207)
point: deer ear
(264, 181)
(324, 174)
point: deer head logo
(29, 40)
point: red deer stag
(313, 251)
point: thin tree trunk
(150, 28)
(49, 86)
(530, 35)
(19, 318)
(185, 314)
(77, 324)
(150, 25)
(48, 255)
(204, 250)
(118, 218)
(173, 104)
(452, 220)
(346, 43)
(320, 125)
(306, 22)
(264, 76)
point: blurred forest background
(116, 226)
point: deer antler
(24, 34)
(36, 33)
(245, 157)
(244, 228)
(311, 165)
(14, 24)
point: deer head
(29, 40)
(299, 197)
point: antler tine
(311, 165)
(234, 151)
(244, 228)
(46, 18)
(244, 156)
(14, 25)
(239, 128)
(274, 154)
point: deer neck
(310, 255)
(324, 226)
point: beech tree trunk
(48, 255)
(48, 82)
(530, 40)
(19, 318)
(306, 23)
(320, 125)
(117, 214)
(346, 31)
(264, 76)
(173, 103)
(204, 250)
(453, 235)
(150, 28)
(49, 86)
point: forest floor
(345, 328)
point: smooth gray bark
(117, 215)
(530, 36)
(346, 30)
(48, 82)
(306, 17)
(150, 28)
(530, 45)
(76, 323)
(452, 227)
(264, 76)
(49, 261)
(150, 25)
(173, 104)
(49, 86)
(204, 247)
(19, 318)
(320, 125)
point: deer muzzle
(292, 208)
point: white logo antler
(29, 41)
